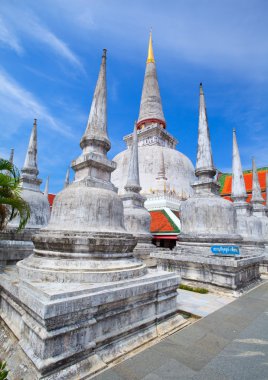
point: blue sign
(225, 250)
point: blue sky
(50, 52)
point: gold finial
(150, 57)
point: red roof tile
(51, 199)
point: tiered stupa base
(143, 250)
(72, 330)
(82, 300)
(193, 260)
(85, 257)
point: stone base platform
(264, 264)
(231, 273)
(71, 330)
(15, 246)
(142, 251)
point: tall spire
(30, 163)
(67, 178)
(238, 184)
(46, 188)
(11, 157)
(256, 188)
(204, 162)
(30, 169)
(97, 122)
(133, 180)
(151, 105)
(93, 165)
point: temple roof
(162, 222)
(225, 180)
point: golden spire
(150, 57)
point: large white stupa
(156, 146)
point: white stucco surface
(179, 170)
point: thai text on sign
(225, 250)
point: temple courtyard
(228, 344)
(224, 337)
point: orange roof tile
(225, 180)
(160, 222)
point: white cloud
(37, 31)
(230, 36)
(8, 38)
(24, 23)
(16, 101)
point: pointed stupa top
(31, 155)
(133, 180)
(11, 157)
(30, 169)
(204, 161)
(67, 178)
(93, 165)
(97, 121)
(150, 57)
(46, 187)
(238, 183)
(256, 188)
(151, 110)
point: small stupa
(16, 245)
(82, 299)
(248, 225)
(209, 240)
(136, 217)
(259, 209)
(206, 215)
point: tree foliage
(3, 371)
(11, 202)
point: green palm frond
(18, 207)
(3, 371)
(11, 202)
(6, 165)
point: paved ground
(201, 305)
(231, 343)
